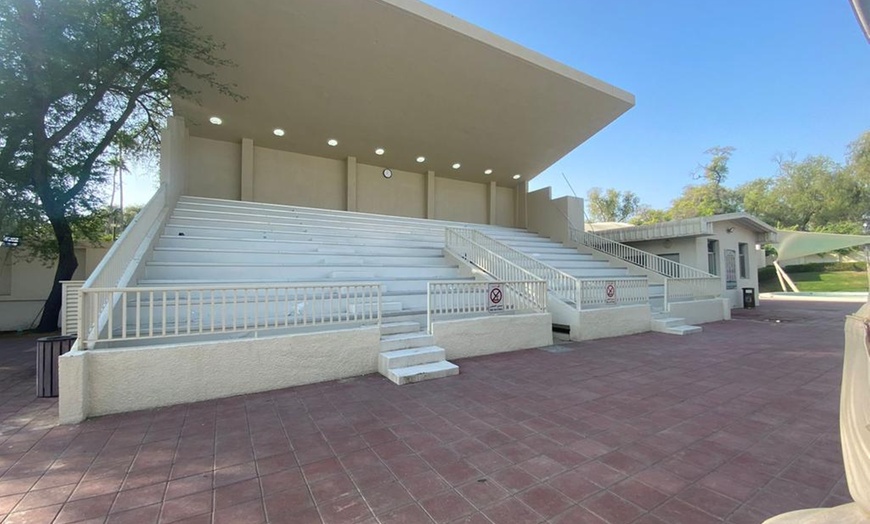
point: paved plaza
(734, 425)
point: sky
(767, 77)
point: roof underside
(399, 75)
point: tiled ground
(735, 424)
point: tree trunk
(66, 267)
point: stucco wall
(461, 201)
(214, 168)
(730, 241)
(281, 177)
(495, 334)
(404, 194)
(686, 248)
(505, 206)
(605, 322)
(553, 218)
(30, 283)
(702, 311)
(119, 380)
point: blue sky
(767, 77)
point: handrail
(638, 257)
(167, 311)
(492, 256)
(682, 282)
(558, 282)
(461, 297)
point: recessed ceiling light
(278, 131)
(216, 120)
(457, 165)
(517, 177)
(388, 173)
(379, 151)
(332, 142)
(488, 172)
(421, 159)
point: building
(729, 246)
(365, 208)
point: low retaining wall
(103, 381)
(497, 334)
(701, 311)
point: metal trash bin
(748, 298)
(48, 350)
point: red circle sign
(610, 290)
(495, 295)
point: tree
(710, 197)
(73, 75)
(647, 215)
(611, 205)
(814, 194)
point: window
(713, 256)
(743, 254)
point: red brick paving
(733, 425)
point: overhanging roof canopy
(796, 244)
(399, 75)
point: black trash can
(748, 298)
(48, 350)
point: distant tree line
(813, 194)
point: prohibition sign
(495, 296)
(610, 292)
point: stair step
(352, 274)
(668, 322)
(403, 358)
(406, 341)
(386, 307)
(396, 328)
(683, 330)
(422, 372)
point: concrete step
(386, 307)
(669, 322)
(228, 232)
(346, 247)
(393, 285)
(403, 358)
(396, 328)
(683, 330)
(254, 255)
(422, 372)
(406, 341)
(289, 272)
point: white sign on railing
(495, 297)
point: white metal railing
(155, 312)
(682, 282)
(461, 297)
(599, 292)
(503, 262)
(69, 306)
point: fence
(504, 262)
(154, 312)
(682, 282)
(458, 298)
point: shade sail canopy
(796, 244)
(398, 75)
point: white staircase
(408, 355)
(672, 325)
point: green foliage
(611, 205)
(710, 197)
(647, 215)
(77, 76)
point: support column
(247, 192)
(492, 203)
(351, 183)
(522, 218)
(430, 194)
